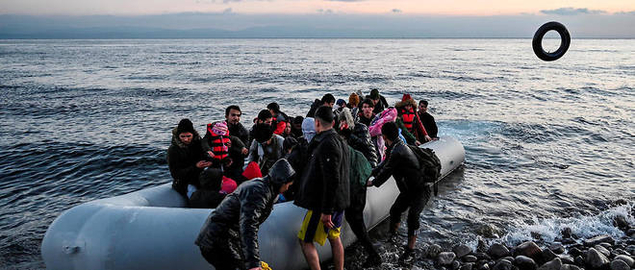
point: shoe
(373, 260)
(407, 258)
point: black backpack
(430, 165)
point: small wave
(549, 230)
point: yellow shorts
(313, 230)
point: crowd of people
(323, 162)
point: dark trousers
(224, 256)
(414, 201)
(355, 216)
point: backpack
(430, 165)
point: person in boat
(232, 118)
(327, 100)
(186, 158)
(366, 115)
(266, 148)
(428, 120)
(353, 103)
(403, 165)
(408, 121)
(362, 155)
(296, 127)
(324, 191)
(357, 136)
(225, 151)
(212, 190)
(378, 100)
(280, 120)
(264, 117)
(229, 236)
(386, 116)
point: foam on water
(583, 227)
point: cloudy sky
(357, 18)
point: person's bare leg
(412, 240)
(311, 255)
(338, 253)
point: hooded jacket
(401, 163)
(412, 128)
(324, 185)
(182, 161)
(242, 212)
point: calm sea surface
(548, 144)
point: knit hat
(374, 94)
(220, 128)
(185, 125)
(281, 172)
(406, 99)
(340, 102)
(353, 100)
(262, 132)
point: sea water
(548, 144)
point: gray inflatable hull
(151, 229)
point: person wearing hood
(408, 120)
(266, 148)
(186, 158)
(357, 136)
(229, 236)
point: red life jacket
(408, 118)
(219, 144)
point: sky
(309, 18)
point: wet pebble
(599, 239)
(469, 258)
(554, 264)
(461, 250)
(627, 259)
(525, 263)
(595, 259)
(619, 265)
(529, 249)
(467, 266)
(503, 265)
(557, 248)
(445, 258)
(569, 267)
(498, 250)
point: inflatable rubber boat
(152, 229)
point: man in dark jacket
(229, 237)
(378, 100)
(403, 165)
(186, 158)
(428, 120)
(232, 117)
(366, 114)
(324, 191)
(357, 136)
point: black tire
(565, 41)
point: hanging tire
(565, 41)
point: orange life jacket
(408, 118)
(219, 144)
